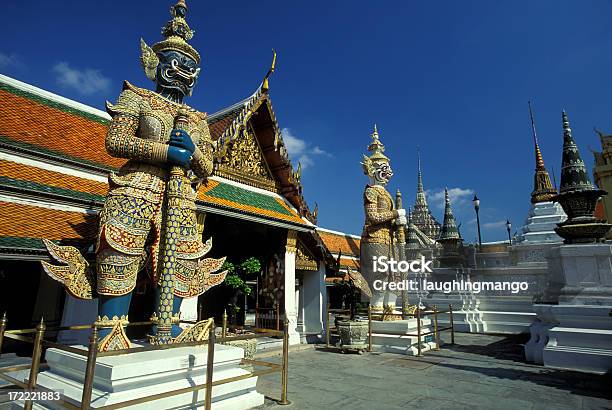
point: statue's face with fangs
(176, 74)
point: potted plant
(354, 333)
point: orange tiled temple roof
(340, 243)
(37, 122)
(38, 222)
(33, 124)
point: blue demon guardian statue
(149, 218)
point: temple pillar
(299, 300)
(289, 282)
(314, 300)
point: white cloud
(458, 197)
(10, 60)
(87, 81)
(300, 150)
(497, 224)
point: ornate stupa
(602, 174)
(544, 215)
(578, 196)
(421, 216)
(449, 237)
(449, 226)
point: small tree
(237, 275)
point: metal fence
(419, 314)
(92, 354)
(268, 318)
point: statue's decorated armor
(149, 218)
(133, 213)
(381, 218)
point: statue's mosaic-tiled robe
(131, 221)
(378, 236)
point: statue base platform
(581, 339)
(576, 333)
(125, 377)
(396, 336)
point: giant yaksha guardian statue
(381, 221)
(149, 217)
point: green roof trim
(37, 245)
(53, 104)
(24, 243)
(244, 196)
(32, 147)
(34, 186)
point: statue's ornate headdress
(377, 157)
(176, 32)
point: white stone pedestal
(582, 339)
(577, 331)
(125, 377)
(534, 348)
(396, 339)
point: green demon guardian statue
(381, 219)
(149, 218)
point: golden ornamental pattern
(304, 259)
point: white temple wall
(77, 312)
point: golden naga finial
(266, 86)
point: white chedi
(540, 224)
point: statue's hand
(179, 156)
(181, 139)
(401, 220)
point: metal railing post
(36, 354)
(327, 326)
(257, 313)
(285, 369)
(277, 317)
(92, 355)
(369, 328)
(3, 323)
(436, 333)
(210, 363)
(224, 325)
(452, 323)
(418, 315)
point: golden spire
(177, 33)
(376, 146)
(377, 149)
(543, 190)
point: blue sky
(452, 77)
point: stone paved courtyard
(479, 372)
